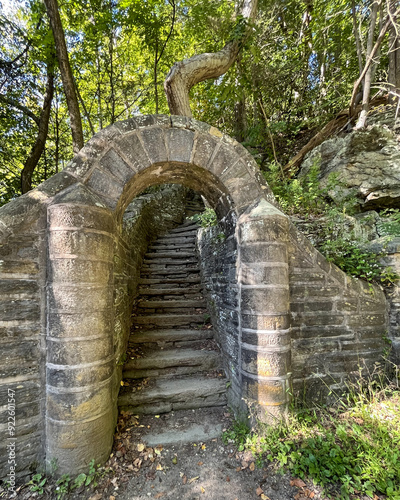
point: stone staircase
(173, 362)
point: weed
(354, 447)
(37, 483)
(238, 434)
(208, 218)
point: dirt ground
(195, 470)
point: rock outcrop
(366, 162)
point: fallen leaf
(202, 489)
(264, 497)
(156, 416)
(112, 497)
(312, 495)
(175, 460)
(297, 496)
(184, 480)
(238, 469)
(159, 495)
(228, 479)
(252, 466)
(193, 479)
(200, 463)
(98, 496)
(244, 464)
(203, 446)
(259, 491)
(140, 447)
(159, 467)
(298, 483)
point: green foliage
(389, 223)
(37, 483)
(65, 484)
(208, 218)
(238, 433)
(338, 240)
(355, 449)
(301, 196)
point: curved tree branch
(187, 73)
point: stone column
(264, 290)
(80, 400)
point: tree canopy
(295, 71)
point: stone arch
(83, 220)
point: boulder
(366, 163)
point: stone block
(266, 392)
(113, 164)
(79, 298)
(76, 444)
(309, 306)
(79, 270)
(265, 321)
(130, 148)
(179, 145)
(204, 149)
(80, 325)
(259, 252)
(56, 183)
(154, 144)
(225, 157)
(268, 229)
(75, 406)
(24, 268)
(264, 274)
(8, 330)
(108, 188)
(20, 310)
(90, 245)
(274, 300)
(79, 351)
(359, 320)
(273, 339)
(79, 376)
(72, 216)
(264, 362)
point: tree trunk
(37, 149)
(394, 59)
(66, 74)
(187, 73)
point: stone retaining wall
(336, 324)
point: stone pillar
(264, 290)
(80, 400)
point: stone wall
(217, 247)
(23, 269)
(22, 336)
(337, 325)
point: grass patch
(350, 451)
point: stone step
(173, 248)
(175, 394)
(160, 363)
(174, 240)
(170, 291)
(185, 426)
(167, 320)
(169, 281)
(160, 256)
(162, 272)
(192, 230)
(154, 263)
(169, 335)
(174, 304)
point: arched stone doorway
(84, 221)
